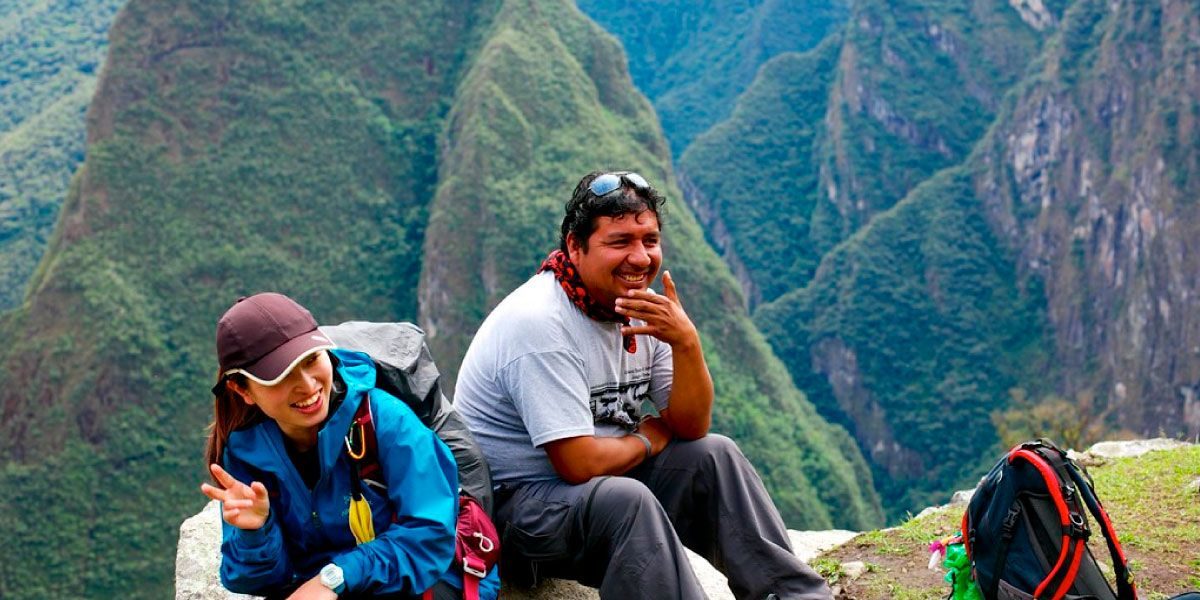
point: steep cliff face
(1093, 179)
(1066, 269)
(918, 83)
(823, 141)
(912, 332)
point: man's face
(623, 253)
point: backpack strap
(364, 454)
(477, 547)
(1126, 589)
(1074, 528)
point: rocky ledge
(199, 552)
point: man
(590, 397)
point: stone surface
(1133, 448)
(854, 569)
(808, 544)
(199, 556)
(959, 499)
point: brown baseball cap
(265, 335)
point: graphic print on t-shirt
(621, 403)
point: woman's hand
(243, 506)
(313, 589)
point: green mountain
(949, 212)
(510, 159)
(1053, 262)
(377, 161)
(823, 141)
(50, 52)
(754, 179)
(693, 58)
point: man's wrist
(645, 440)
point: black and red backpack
(1026, 531)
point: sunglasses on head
(608, 182)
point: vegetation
(822, 144)
(693, 59)
(511, 159)
(380, 161)
(754, 177)
(1160, 537)
(1027, 150)
(50, 52)
(922, 310)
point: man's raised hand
(243, 506)
(663, 315)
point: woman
(285, 401)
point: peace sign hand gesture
(243, 506)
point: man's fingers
(637, 330)
(669, 287)
(630, 305)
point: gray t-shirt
(540, 370)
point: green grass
(1155, 513)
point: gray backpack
(405, 370)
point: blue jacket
(307, 529)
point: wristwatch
(331, 577)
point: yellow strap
(361, 524)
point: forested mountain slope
(50, 52)
(974, 255)
(828, 139)
(1057, 262)
(823, 141)
(693, 58)
(378, 161)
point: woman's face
(300, 402)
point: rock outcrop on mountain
(1091, 179)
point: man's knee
(621, 503)
(713, 447)
(622, 493)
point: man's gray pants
(625, 535)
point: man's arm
(689, 412)
(578, 459)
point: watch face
(331, 576)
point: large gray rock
(199, 557)
(1133, 447)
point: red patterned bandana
(568, 278)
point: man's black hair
(584, 207)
